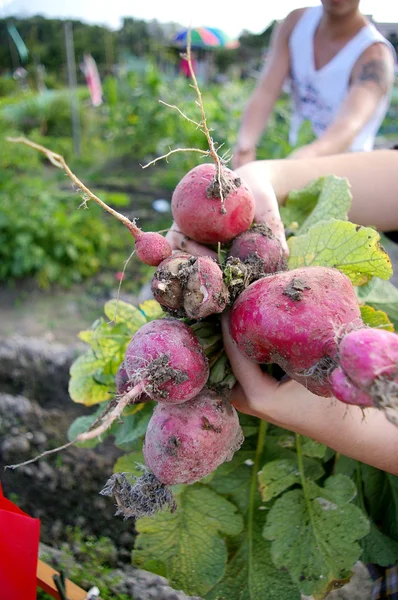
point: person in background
(341, 72)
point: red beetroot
(295, 319)
(167, 357)
(152, 248)
(197, 208)
(190, 286)
(260, 249)
(186, 442)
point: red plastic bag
(19, 551)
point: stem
(107, 419)
(320, 542)
(206, 131)
(58, 161)
(253, 485)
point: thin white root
(58, 161)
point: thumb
(252, 380)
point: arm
(371, 79)
(370, 438)
(267, 91)
(373, 177)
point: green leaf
(133, 427)
(314, 533)
(379, 548)
(119, 311)
(277, 476)
(381, 494)
(151, 310)
(376, 318)
(300, 203)
(186, 545)
(312, 448)
(382, 295)
(352, 249)
(82, 424)
(323, 199)
(129, 463)
(250, 574)
(83, 387)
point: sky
(254, 15)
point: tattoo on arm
(376, 71)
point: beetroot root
(197, 208)
(368, 370)
(166, 355)
(186, 442)
(260, 249)
(152, 248)
(295, 318)
(190, 286)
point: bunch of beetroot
(306, 320)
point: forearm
(255, 118)
(373, 177)
(365, 436)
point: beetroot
(260, 249)
(190, 286)
(152, 248)
(295, 319)
(197, 207)
(368, 373)
(346, 391)
(185, 442)
(167, 357)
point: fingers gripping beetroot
(198, 210)
(368, 368)
(190, 286)
(167, 357)
(185, 442)
(295, 319)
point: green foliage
(322, 521)
(323, 199)
(43, 234)
(88, 561)
(381, 295)
(193, 531)
(356, 251)
(92, 375)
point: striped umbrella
(204, 37)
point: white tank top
(318, 94)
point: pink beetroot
(166, 356)
(185, 442)
(152, 248)
(368, 370)
(198, 209)
(295, 319)
(260, 249)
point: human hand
(179, 241)
(266, 211)
(242, 156)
